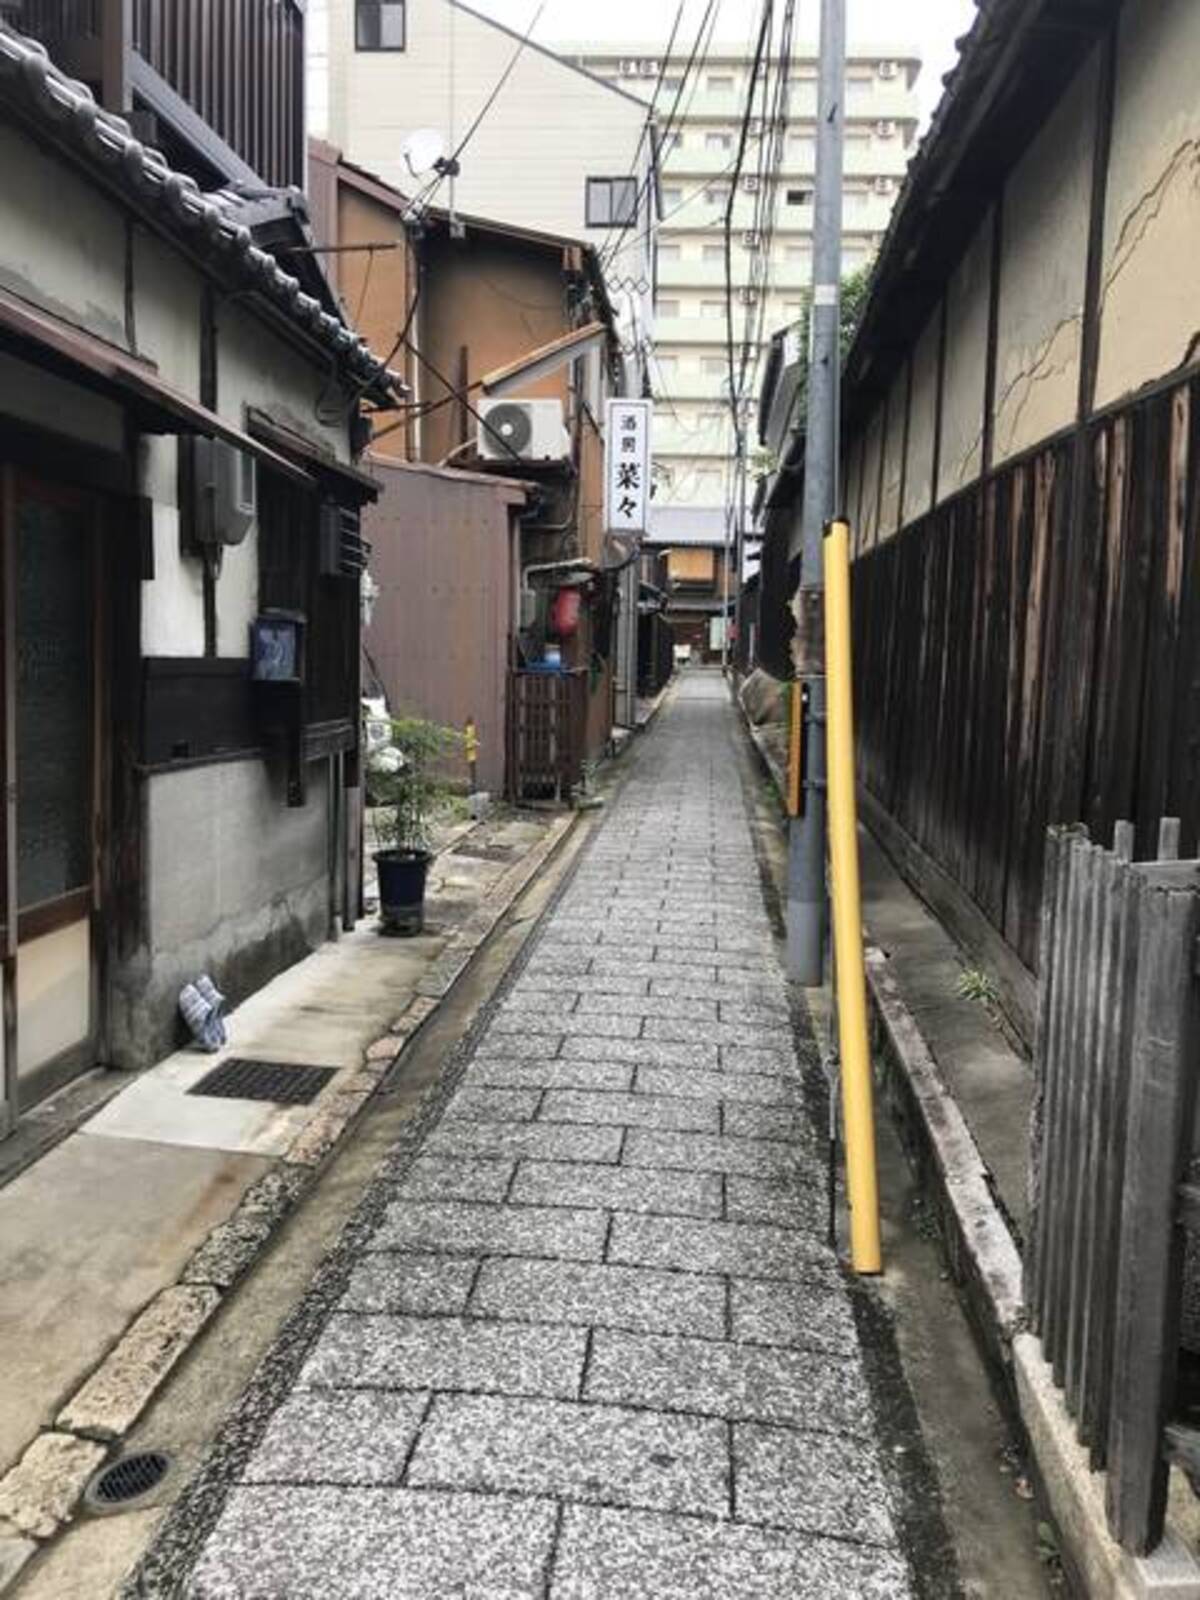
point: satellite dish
(422, 151)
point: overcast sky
(928, 26)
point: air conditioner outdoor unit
(525, 430)
(748, 296)
(751, 240)
(888, 69)
(627, 69)
(886, 129)
(649, 69)
(750, 183)
(883, 186)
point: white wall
(1150, 306)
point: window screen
(379, 24)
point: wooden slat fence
(547, 714)
(1017, 665)
(1117, 1050)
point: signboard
(627, 466)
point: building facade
(178, 418)
(378, 74)
(694, 438)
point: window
(667, 308)
(611, 201)
(668, 252)
(712, 308)
(719, 83)
(379, 24)
(667, 365)
(716, 196)
(713, 252)
(718, 141)
(672, 198)
(713, 366)
(799, 197)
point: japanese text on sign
(627, 466)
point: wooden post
(1166, 1039)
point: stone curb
(41, 1492)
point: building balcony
(681, 273)
(220, 82)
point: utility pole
(806, 898)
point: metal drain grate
(121, 1483)
(239, 1078)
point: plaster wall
(872, 446)
(62, 245)
(893, 456)
(1150, 294)
(1043, 269)
(236, 886)
(922, 422)
(966, 366)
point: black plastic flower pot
(402, 890)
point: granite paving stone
(606, 1554)
(386, 1352)
(462, 1228)
(630, 1110)
(608, 1076)
(495, 1104)
(814, 1482)
(585, 1339)
(593, 1453)
(292, 1543)
(540, 1141)
(802, 1316)
(786, 1204)
(706, 1085)
(616, 1188)
(709, 1152)
(747, 1383)
(740, 1249)
(417, 1284)
(642, 1052)
(586, 1295)
(330, 1437)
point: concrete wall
(238, 887)
(439, 635)
(1150, 306)
(966, 362)
(1043, 269)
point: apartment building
(693, 430)
(542, 143)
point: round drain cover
(122, 1483)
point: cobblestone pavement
(592, 1344)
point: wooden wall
(1018, 664)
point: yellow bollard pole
(858, 1112)
(795, 791)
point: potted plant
(410, 777)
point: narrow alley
(585, 1337)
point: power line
(700, 48)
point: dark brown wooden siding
(971, 640)
(239, 64)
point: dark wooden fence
(547, 715)
(1029, 653)
(1117, 1051)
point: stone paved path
(596, 1347)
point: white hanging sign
(627, 466)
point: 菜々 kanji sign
(627, 466)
